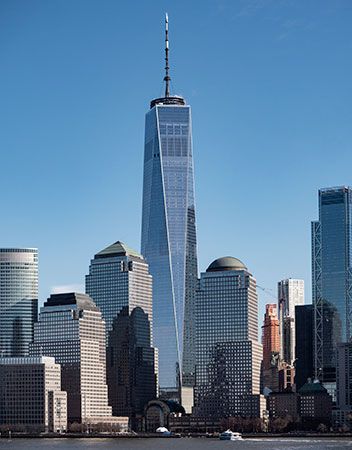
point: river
(175, 444)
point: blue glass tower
(332, 279)
(169, 232)
(18, 299)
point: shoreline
(5, 436)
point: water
(175, 444)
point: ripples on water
(175, 444)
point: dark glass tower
(304, 323)
(169, 232)
(131, 365)
(332, 279)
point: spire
(167, 78)
(167, 99)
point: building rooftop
(82, 301)
(226, 263)
(312, 388)
(173, 100)
(118, 248)
(26, 360)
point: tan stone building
(30, 394)
(71, 329)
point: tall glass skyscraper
(332, 279)
(169, 232)
(18, 299)
(118, 278)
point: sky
(269, 82)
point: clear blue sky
(270, 87)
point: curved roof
(226, 263)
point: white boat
(164, 431)
(229, 435)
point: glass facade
(18, 299)
(119, 277)
(332, 278)
(169, 236)
(131, 358)
(228, 354)
(304, 324)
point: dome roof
(226, 263)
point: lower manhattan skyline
(270, 102)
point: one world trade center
(169, 232)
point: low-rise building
(283, 404)
(31, 398)
(315, 404)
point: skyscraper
(332, 279)
(228, 354)
(304, 365)
(131, 374)
(169, 232)
(271, 347)
(119, 277)
(71, 329)
(18, 299)
(290, 294)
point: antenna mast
(167, 78)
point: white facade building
(290, 295)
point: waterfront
(175, 444)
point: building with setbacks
(71, 329)
(131, 364)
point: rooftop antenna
(167, 79)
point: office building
(290, 294)
(283, 404)
(168, 238)
(304, 364)
(271, 348)
(31, 398)
(331, 280)
(344, 375)
(71, 329)
(118, 278)
(228, 354)
(131, 373)
(315, 405)
(18, 299)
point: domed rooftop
(226, 263)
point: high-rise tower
(169, 231)
(290, 294)
(332, 279)
(228, 354)
(71, 329)
(119, 278)
(18, 299)
(271, 347)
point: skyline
(62, 220)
